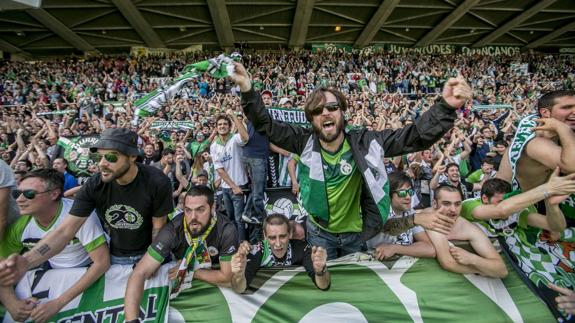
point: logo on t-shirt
(120, 216)
(344, 167)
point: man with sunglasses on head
(39, 197)
(343, 184)
(132, 201)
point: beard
(329, 137)
(115, 174)
(197, 231)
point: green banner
(76, 150)
(57, 112)
(362, 290)
(492, 106)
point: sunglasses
(331, 107)
(403, 193)
(29, 194)
(110, 157)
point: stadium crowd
(461, 168)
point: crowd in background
(384, 91)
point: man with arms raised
(278, 249)
(487, 262)
(198, 238)
(334, 163)
(43, 211)
(132, 200)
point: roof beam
(300, 23)
(137, 20)
(376, 22)
(222, 24)
(453, 17)
(57, 27)
(552, 35)
(9, 48)
(516, 21)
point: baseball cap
(123, 140)
(268, 92)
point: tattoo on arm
(396, 226)
(43, 249)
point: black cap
(123, 140)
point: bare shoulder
(462, 230)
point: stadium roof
(112, 26)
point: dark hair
(547, 100)
(202, 190)
(396, 180)
(25, 161)
(488, 160)
(53, 179)
(447, 188)
(63, 159)
(224, 117)
(276, 219)
(494, 186)
(317, 97)
(167, 152)
(448, 166)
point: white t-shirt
(405, 238)
(26, 232)
(228, 156)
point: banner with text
(362, 290)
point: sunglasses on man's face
(110, 157)
(29, 194)
(403, 193)
(331, 107)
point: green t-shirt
(495, 227)
(343, 185)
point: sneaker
(251, 219)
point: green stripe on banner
(492, 106)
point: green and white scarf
(195, 256)
(313, 190)
(523, 135)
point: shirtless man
(487, 261)
(532, 157)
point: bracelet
(322, 272)
(545, 195)
(134, 321)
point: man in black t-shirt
(198, 238)
(131, 200)
(278, 250)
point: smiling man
(278, 249)
(343, 184)
(132, 201)
(43, 210)
(198, 238)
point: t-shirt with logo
(126, 211)
(228, 155)
(25, 233)
(343, 185)
(222, 242)
(261, 255)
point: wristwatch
(322, 272)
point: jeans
(234, 205)
(257, 170)
(125, 260)
(335, 244)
